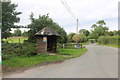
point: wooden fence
(72, 46)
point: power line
(68, 8)
(71, 13)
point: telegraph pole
(77, 27)
(70, 12)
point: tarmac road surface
(98, 62)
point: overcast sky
(87, 11)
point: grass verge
(110, 45)
(20, 62)
(72, 52)
(86, 43)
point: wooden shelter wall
(41, 46)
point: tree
(79, 38)
(110, 33)
(17, 32)
(93, 35)
(41, 22)
(98, 29)
(9, 17)
(25, 34)
(85, 32)
(70, 35)
(116, 32)
(63, 35)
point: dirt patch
(83, 46)
(52, 53)
(65, 55)
(17, 37)
(10, 70)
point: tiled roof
(47, 31)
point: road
(98, 62)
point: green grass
(20, 62)
(110, 45)
(72, 52)
(15, 39)
(86, 43)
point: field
(15, 39)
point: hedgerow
(109, 40)
(22, 50)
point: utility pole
(77, 27)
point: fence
(72, 46)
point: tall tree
(70, 35)
(41, 22)
(17, 32)
(85, 32)
(99, 29)
(110, 33)
(9, 17)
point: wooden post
(19, 40)
(81, 46)
(19, 43)
(63, 45)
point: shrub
(12, 50)
(93, 40)
(104, 39)
(79, 38)
(109, 40)
(59, 45)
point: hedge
(109, 40)
(24, 50)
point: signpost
(44, 39)
(77, 45)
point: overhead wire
(71, 13)
(68, 9)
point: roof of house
(47, 31)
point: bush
(93, 40)
(104, 39)
(79, 38)
(23, 50)
(109, 40)
(59, 45)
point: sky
(88, 12)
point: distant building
(46, 40)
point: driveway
(98, 62)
